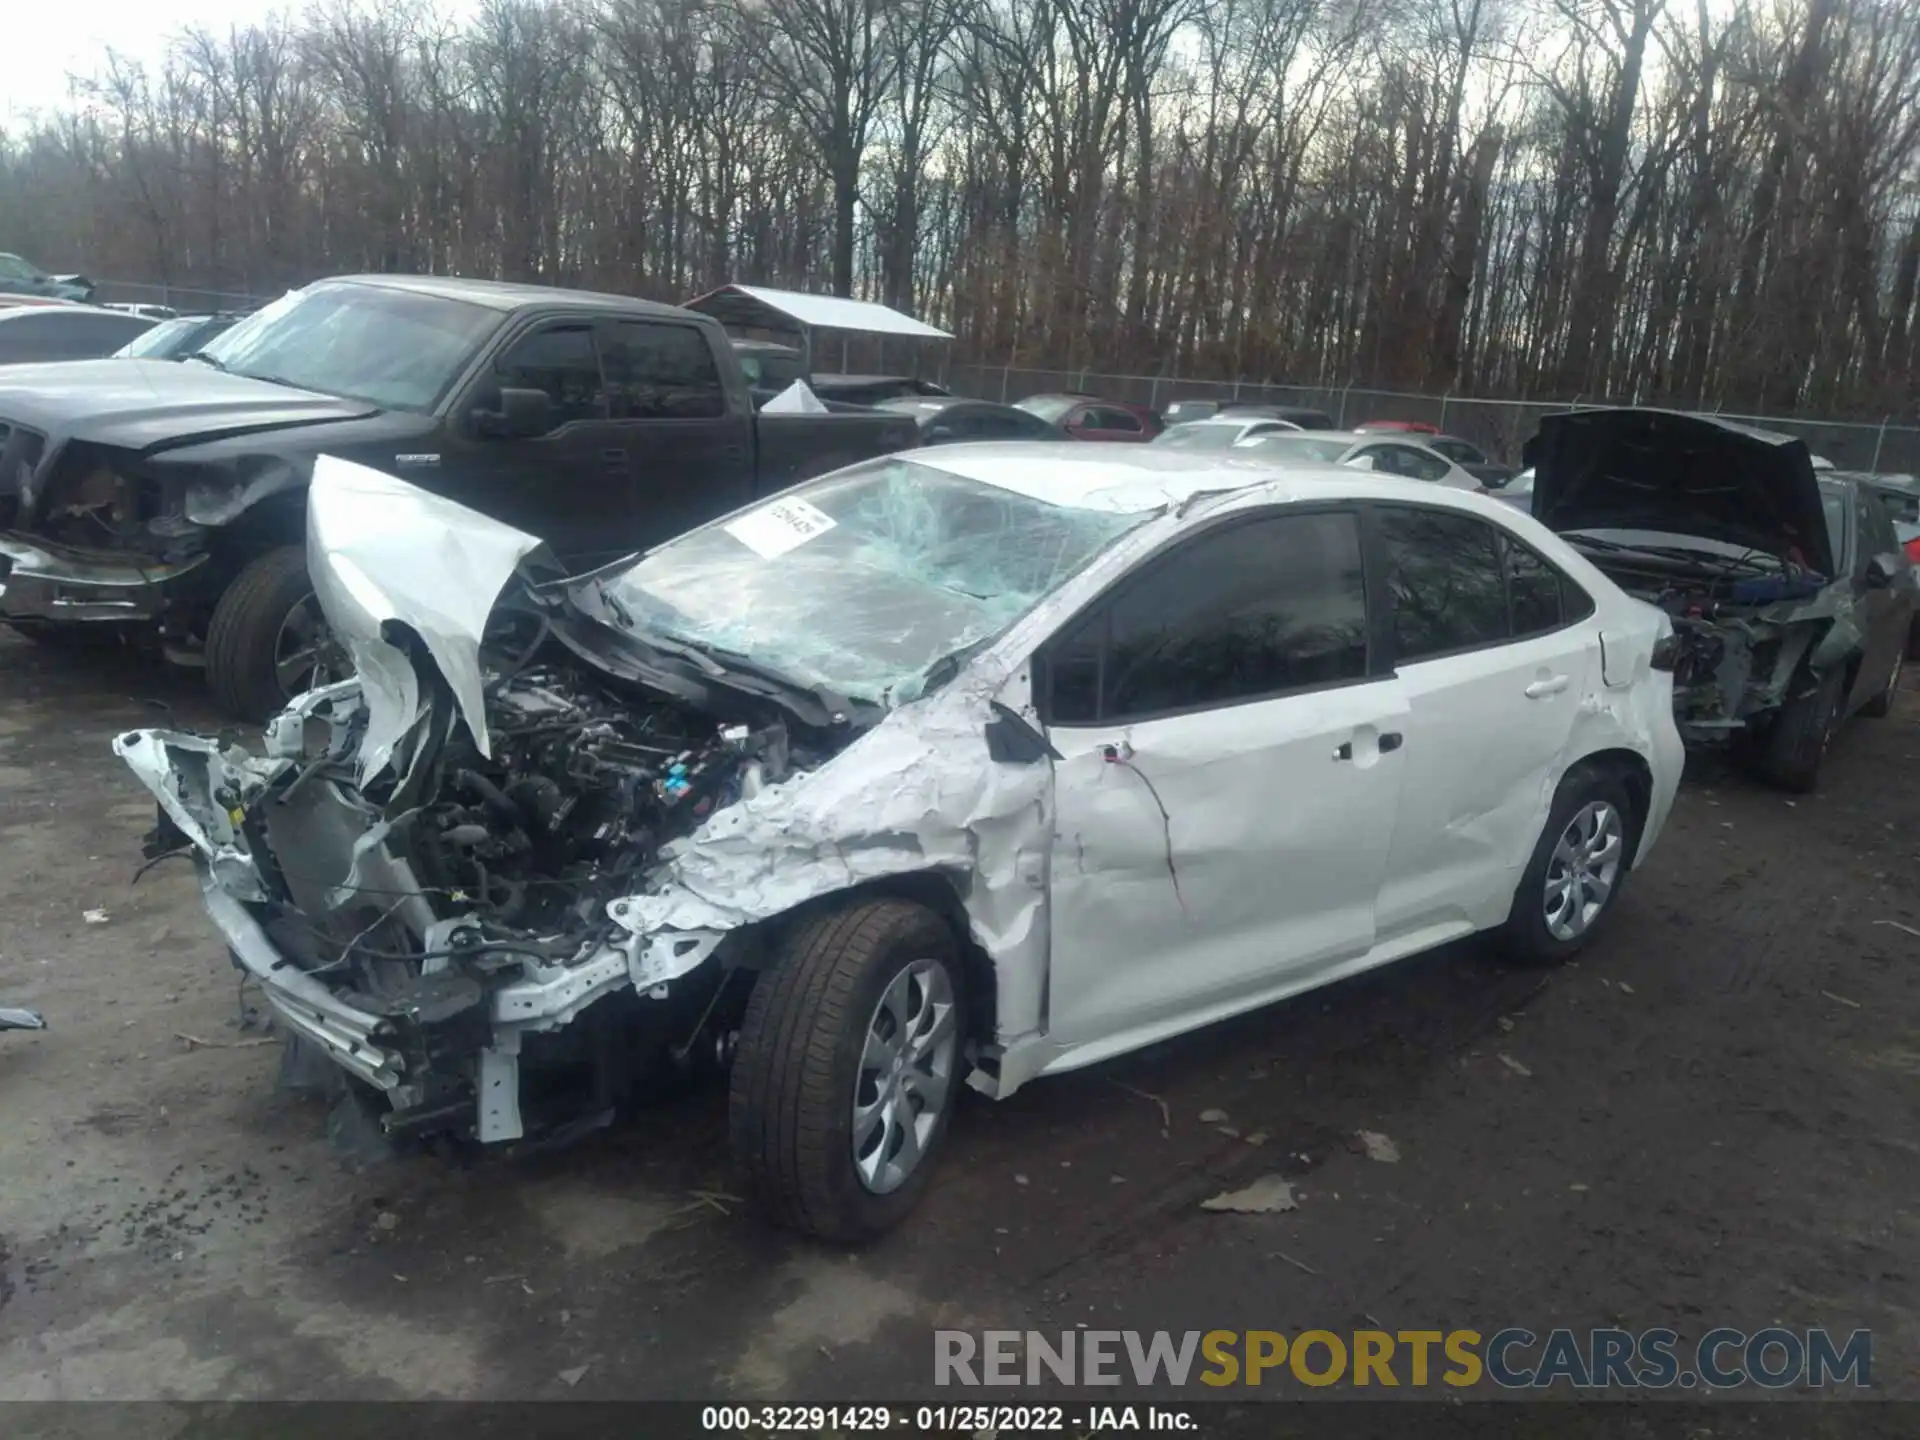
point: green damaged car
(1790, 595)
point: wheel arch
(934, 890)
(1635, 775)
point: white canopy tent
(794, 312)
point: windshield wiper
(205, 359)
(718, 661)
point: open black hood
(1685, 474)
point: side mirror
(522, 415)
(1882, 571)
(1364, 462)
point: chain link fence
(186, 299)
(1499, 427)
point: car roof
(21, 312)
(503, 295)
(1148, 477)
(1237, 417)
(932, 404)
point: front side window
(1417, 464)
(1458, 451)
(561, 361)
(661, 372)
(1270, 605)
(1444, 574)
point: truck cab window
(661, 372)
(561, 361)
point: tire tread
(234, 638)
(784, 1092)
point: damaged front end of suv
(545, 838)
(1724, 528)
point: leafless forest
(1711, 203)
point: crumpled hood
(151, 404)
(1631, 469)
(385, 553)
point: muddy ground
(1710, 1120)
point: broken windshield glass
(864, 583)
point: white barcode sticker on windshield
(783, 525)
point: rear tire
(1796, 742)
(831, 1133)
(1585, 847)
(253, 640)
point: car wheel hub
(1583, 869)
(906, 1069)
(304, 654)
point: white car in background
(1388, 454)
(1223, 432)
(975, 763)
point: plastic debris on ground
(1265, 1196)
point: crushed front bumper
(43, 581)
(370, 1046)
(442, 1044)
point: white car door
(1229, 770)
(1496, 656)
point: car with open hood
(1789, 593)
(971, 764)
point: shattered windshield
(862, 582)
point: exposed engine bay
(1734, 626)
(529, 845)
(458, 903)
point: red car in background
(1087, 417)
(1416, 427)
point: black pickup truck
(169, 499)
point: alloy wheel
(1583, 869)
(906, 1070)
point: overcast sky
(46, 42)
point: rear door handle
(613, 459)
(1552, 685)
(1389, 741)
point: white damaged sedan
(978, 763)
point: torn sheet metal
(382, 551)
(797, 399)
(203, 787)
(916, 793)
(11, 1019)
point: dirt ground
(1711, 1119)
